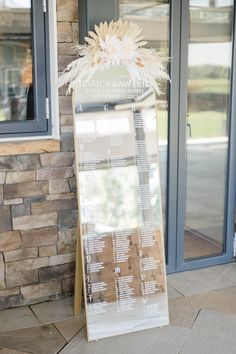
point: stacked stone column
(38, 204)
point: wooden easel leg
(78, 278)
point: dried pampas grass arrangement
(115, 44)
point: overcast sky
(210, 53)
(206, 2)
(16, 3)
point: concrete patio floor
(202, 321)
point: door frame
(173, 127)
(177, 148)
(176, 167)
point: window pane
(16, 87)
(154, 18)
(209, 73)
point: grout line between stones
(71, 338)
(196, 318)
(57, 329)
(40, 323)
(176, 289)
(187, 335)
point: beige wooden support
(78, 277)
(79, 255)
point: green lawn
(204, 124)
(207, 124)
(2, 118)
(218, 86)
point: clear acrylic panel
(154, 19)
(121, 227)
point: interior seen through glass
(16, 84)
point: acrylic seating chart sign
(121, 231)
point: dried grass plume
(115, 44)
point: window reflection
(154, 17)
(210, 52)
(16, 84)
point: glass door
(196, 129)
(205, 127)
(154, 19)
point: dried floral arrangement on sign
(116, 43)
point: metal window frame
(173, 126)
(40, 49)
(92, 12)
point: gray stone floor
(202, 321)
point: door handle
(189, 130)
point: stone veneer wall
(38, 215)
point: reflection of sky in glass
(210, 53)
(144, 8)
(15, 3)
(219, 3)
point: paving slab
(212, 332)
(204, 280)
(53, 311)
(17, 318)
(38, 340)
(222, 300)
(230, 290)
(182, 315)
(69, 328)
(166, 340)
(11, 351)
